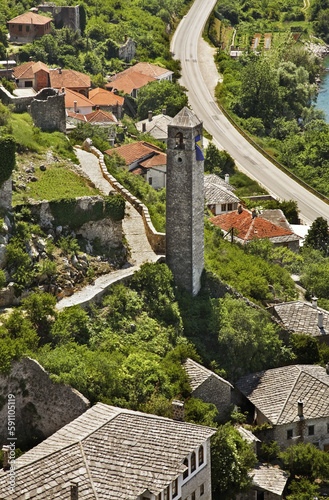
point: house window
(193, 496)
(200, 455)
(175, 488)
(20, 27)
(193, 462)
(166, 495)
(260, 495)
(201, 490)
(28, 84)
(150, 181)
(290, 433)
(179, 139)
(27, 28)
(223, 207)
(327, 428)
(185, 473)
(311, 430)
(229, 207)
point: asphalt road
(188, 46)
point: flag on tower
(198, 148)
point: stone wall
(201, 477)
(20, 103)
(157, 240)
(127, 50)
(42, 406)
(48, 110)
(216, 392)
(6, 194)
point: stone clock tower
(185, 201)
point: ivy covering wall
(7, 158)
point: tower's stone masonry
(185, 202)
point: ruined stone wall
(48, 110)
(6, 194)
(20, 103)
(42, 406)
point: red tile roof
(68, 78)
(30, 18)
(71, 96)
(247, 227)
(77, 116)
(27, 70)
(140, 151)
(146, 69)
(127, 83)
(102, 97)
(100, 116)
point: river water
(323, 95)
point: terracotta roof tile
(147, 69)
(136, 151)
(100, 116)
(27, 70)
(77, 116)
(127, 83)
(30, 18)
(102, 97)
(68, 78)
(249, 228)
(71, 96)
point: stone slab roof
(185, 118)
(68, 78)
(218, 194)
(249, 228)
(102, 97)
(302, 317)
(30, 18)
(276, 216)
(276, 392)
(269, 478)
(247, 435)
(114, 453)
(218, 181)
(198, 374)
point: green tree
(231, 460)
(217, 162)
(318, 236)
(40, 310)
(305, 348)
(303, 489)
(156, 96)
(307, 461)
(71, 325)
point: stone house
(107, 101)
(156, 126)
(32, 75)
(293, 400)
(28, 27)
(209, 387)
(98, 118)
(63, 15)
(48, 110)
(148, 69)
(303, 317)
(145, 159)
(127, 50)
(247, 226)
(70, 79)
(115, 453)
(219, 196)
(269, 483)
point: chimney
(164, 111)
(5, 457)
(75, 106)
(178, 410)
(150, 114)
(75, 489)
(314, 302)
(300, 408)
(144, 127)
(320, 319)
(60, 71)
(227, 178)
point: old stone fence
(157, 240)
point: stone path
(133, 228)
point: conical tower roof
(185, 118)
